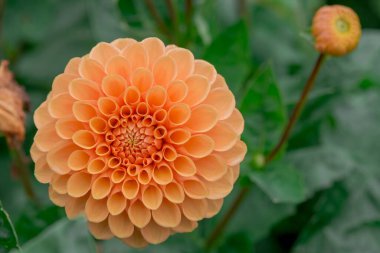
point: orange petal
(73, 66)
(222, 100)
(59, 183)
(101, 230)
(144, 176)
(154, 48)
(211, 167)
(168, 215)
(60, 106)
(120, 225)
(174, 192)
(179, 114)
(118, 65)
(160, 132)
(136, 55)
(42, 116)
(85, 139)
(164, 70)
(139, 214)
(184, 166)
(198, 89)
(122, 43)
(177, 91)
(75, 206)
(130, 188)
(101, 187)
(79, 184)
(185, 225)
(118, 175)
(58, 156)
(61, 83)
(194, 209)
(107, 106)
(42, 172)
(235, 172)
(152, 197)
(179, 136)
(213, 207)
(96, 210)
(222, 187)
(154, 233)
(184, 61)
(103, 52)
(56, 198)
(83, 89)
(202, 119)
(205, 69)
(132, 96)
(126, 111)
(78, 160)
(195, 188)
(156, 97)
(116, 203)
(35, 153)
(46, 138)
(224, 136)
(84, 110)
(97, 165)
(91, 70)
(236, 121)
(169, 153)
(142, 78)
(198, 146)
(114, 85)
(136, 240)
(66, 127)
(219, 83)
(236, 154)
(98, 125)
(162, 174)
(160, 115)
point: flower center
(342, 25)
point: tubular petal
(236, 154)
(98, 125)
(84, 111)
(59, 183)
(156, 97)
(60, 105)
(179, 136)
(174, 192)
(154, 48)
(184, 60)
(168, 215)
(154, 233)
(219, 83)
(184, 166)
(130, 188)
(198, 146)
(162, 174)
(85, 139)
(91, 70)
(96, 210)
(75, 206)
(144, 176)
(73, 66)
(164, 70)
(132, 96)
(139, 214)
(195, 188)
(185, 225)
(120, 225)
(152, 197)
(213, 207)
(35, 153)
(136, 240)
(205, 69)
(58, 156)
(118, 175)
(42, 116)
(61, 83)
(46, 138)
(222, 187)
(56, 198)
(222, 100)
(116, 204)
(83, 89)
(118, 65)
(160, 116)
(177, 91)
(224, 136)
(66, 127)
(136, 55)
(123, 43)
(194, 209)
(202, 119)
(236, 121)
(179, 114)
(169, 153)
(97, 165)
(142, 78)
(198, 88)
(79, 184)
(211, 167)
(114, 85)
(101, 230)
(42, 172)
(107, 106)
(101, 187)
(78, 160)
(102, 52)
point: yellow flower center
(342, 25)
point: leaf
(230, 52)
(8, 236)
(263, 111)
(281, 182)
(64, 236)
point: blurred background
(323, 195)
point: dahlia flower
(143, 139)
(336, 29)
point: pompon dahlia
(336, 29)
(141, 138)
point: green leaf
(8, 236)
(230, 53)
(64, 236)
(281, 182)
(263, 111)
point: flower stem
(173, 16)
(293, 119)
(159, 21)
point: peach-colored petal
(123, 43)
(66, 127)
(136, 240)
(236, 121)
(142, 78)
(107, 106)
(185, 225)
(144, 176)
(36, 153)
(179, 136)
(46, 138)
(160, 115)
(164, 70)
(202, 119)
(101, 187)
(156, 97)
(167, 215)
(114, 85)
(61, 83)
(213, 207)
(60, 105)
(130, 188)
(224, 136)
(219, 83)
(195, 188)
(97, 165)
(59, 183)
(152, 197)
(58, 156)
(79, 184)
(120, 225)
(78, 160)
(198, 88)
(205, 69)
(75, 206)
(101, 230)
(211, 167)
(136, 55)
(96, 209)
(139, 214)
(235, 172)
(174, 192)
(118, 175)
(194, 209)
(222, 100)
(222, 187)
(132, 96)
(98, 125)
(116, 203)
(184, 61)
(85, 139)
(56, 198)
(103, 52)
(84, 110)
(118, 65)
(179, 114)
(162, 174)
(154, 233)
(83, 89)
(184, 166)
(42, 116)
(91, 70)
(154, 48)
(169, 153)
(42, 171)
(177, 91)
(236, 154)
(198, 146)
(73, 66)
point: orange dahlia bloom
(336, 29)
(142, 138)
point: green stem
(159, 21)
(293, 119)
(173, 16)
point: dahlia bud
(336, 29)
(12, 101)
